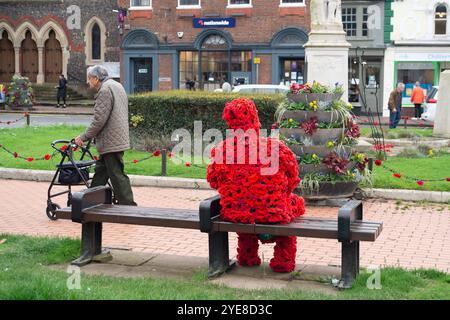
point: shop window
(189, 69)
(440, 20)
(349, 21)
(410, 72)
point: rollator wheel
(51, 208)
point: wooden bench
(92, 207)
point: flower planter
(320, 151)
(320, 137)
(329, 190)
(305, 169)
(310, 97)
(322, 116)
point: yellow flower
(314, 156)
(311, 104)
(353, 175)
(291, 120)
(430, 152)
(348, 172)
(330, 144)
(350, 106)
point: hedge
(163, 112)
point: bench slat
(189, 219)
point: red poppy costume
(248, 193)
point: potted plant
(19, 93)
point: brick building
(42, 39)
(169, 42)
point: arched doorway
(7, 61)
(29, 65)
(53, 58)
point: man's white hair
(98, 72)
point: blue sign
(214, 22)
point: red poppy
(187, 164)
(171, 154)
(157, 153)
(448, 179)
(135, 161)
(375, 123)
(47, 157)
(15, 155)
(420, 183)
(30, 159)
(95, 158)
(64, 148)
(8, 122)
(378, 162)
(397, 175)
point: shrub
(163, 112)
(19, 92)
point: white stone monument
(327, 48)
(442, 118)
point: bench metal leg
(350, 263)
(219, 259)
(91, 245)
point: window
(292, 3)
(349, 21)
(215, 42)
(365, 17)
(189, 3)
(188, 69)
(136, 4)
(96, 42)
(440, 20)
(239, 3)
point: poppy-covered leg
(284, 254)
(248, 250)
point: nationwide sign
(214, 23)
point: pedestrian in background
(418, 98)
(395, 105)
(62, 90)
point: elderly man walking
(111, 132)
(395, 106)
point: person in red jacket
(418, 98)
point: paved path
(39, 120)
(413, 237)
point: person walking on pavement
(418, 98)
(110, 128)
(62, 90)
(395, 105)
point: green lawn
(399, 132)
(25, 274)
(35, 142)
(423, 168)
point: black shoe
(64, 106)
(57, 106)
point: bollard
(164, 162)
(27, 115)
(370, 165)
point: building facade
(364, 23)
(172, 43)
(420, 48)
(43, 39)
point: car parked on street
(431, 100)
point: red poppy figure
(256, 177)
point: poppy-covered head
(241, 114)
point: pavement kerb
(171, 182)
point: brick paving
(414, 236)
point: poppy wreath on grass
(248, 193)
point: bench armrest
(348, 213)
(209, 209)
(89, 198)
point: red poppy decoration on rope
(420, 183)
(157, 153)
(397, 175)
(248, 195)
(378, 162)
(47, 157)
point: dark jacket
(395, 100)
(62, 88)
